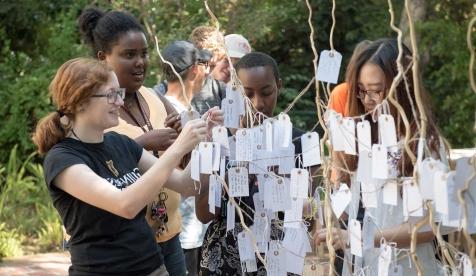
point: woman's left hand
(173, 121)
(339, 237)
(213, 117)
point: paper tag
(349, 136)
(230, 216)
(212, 183)
(244, 247)
(286, 127)
(379, 162)
(441, 192)
(390, 193)
(216, 157)
(286, 159)
(238, 182)
(467, 266)
(369, 193)
(319, 204)
(249, 266)
(261, 228)
(387, 132)
(186, 116)
(195, 165)
(275, 260)
(454, 218)
(231, 113)
(329, 65)
(363, 136)
(299, 183)
(296, 241)
(220, 136)
(237, 96)
(268, 134)
(395, 270)
(355, 237)
(206, 157)
(412, 201)
(259, 163)
(364, 167)
(353, 208)
(262, 179)
(384, 259)
(276, 194)
(232, 143)
(311, 151)
(218, 190)
(244, 145)
(336, 125)
(340, 199)
(222, 167)
(293, 216)
(368, 229)
(426, 171)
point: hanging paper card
(212, 183)
(299, 183)
(216, 157)
(244, 145)
(268, 125)
(384, 259)
(379, 162)
(387, 133)
(218, 190)
(294, 263)
(293, 216)
(195, 165)
(336, 126)
(230, 216)
(455, 211)
(186, 116)
(395, 270)
(329, 65)
(275, 260)
(220, 135)
(237, 97)
(286, 159)
(231, 113)
(390, 192)
(206, 157)
(286, 127)
(355, 237)
(369, 229)
(441, 192)
(412, 201)
(276, 194)
(238, 181)
(222, 167)
(426, 170)
(364, 167)
(311, 151)
(349, 136)
(340, 199)
(245, 248)
(369, 193)
(232, 143)
(363, 136)
(467, 266)
(353, 208)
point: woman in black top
(109, 233)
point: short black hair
(100, 30)
(258, 59)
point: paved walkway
(37, 265)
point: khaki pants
(161, 271)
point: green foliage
(25, 198)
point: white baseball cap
(237, 46)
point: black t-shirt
(102, 243)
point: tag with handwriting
(206, 157)
(363, 136)
(244, 246)
(276, 194)
(293, 216)
(286, 159)
(329, 65)
(311, 151)
(238, 181)
(231, 113)
(195, 165)
(379, 162)
(244, 145)
(275, 260)
(387, 132)
(232, 143)
(230, 216)
(299, 183)
(237, 97)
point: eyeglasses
(204, 63)
(113, 95)
(373, 94)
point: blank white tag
(286, 127)
(467, 266)
(412, 201)
(216, 157)
(368, 229)
(441, 192)
(238, 182)
(220, 135)
(237, 96)
(268, 134)
(244, 145)
(212, 183)
(311, 151)
(244, 247)
(363, 136)
(231, 113)
(286, 159)
(353, 208)
(293, 216)
(355, 237)
(384, 259)
(319, 204)
(259, 163)
(195, 165)
(455, 211)
(364, 167)
(206, 157)
(230, 216)
(262, 179)
(395, 270)
(426, 172)
(390, 193)
(369, 193)
(340, 199)
(336, 131)
(222, 167)
(386, 128)
(232, 143)
(379, 162)
(349, 136)
(329, 65)
(294, 263)
(276, 194)
(299, 183)
(186, 116)
(275, 260)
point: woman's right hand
(192, 133)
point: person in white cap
(237, 46)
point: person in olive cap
(192, 66)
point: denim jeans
(174, 258)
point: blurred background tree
(36, 37)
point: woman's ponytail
(48, 132)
